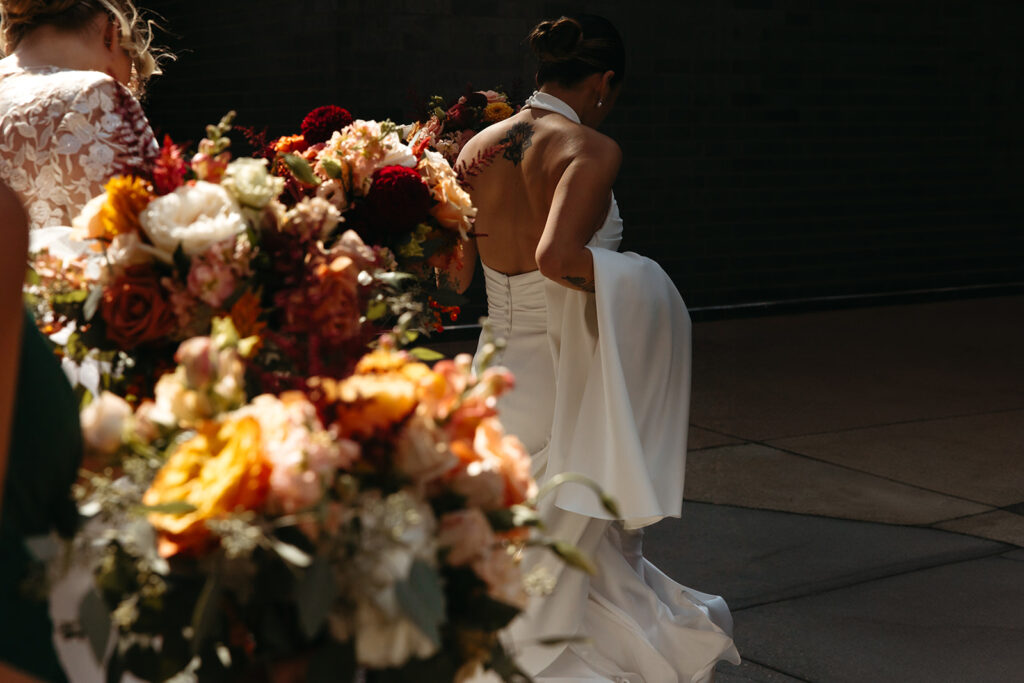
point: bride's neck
(49, 46)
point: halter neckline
(543, 100)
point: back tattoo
(516, 141)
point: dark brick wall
(774, 149)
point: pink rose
(500, 572)
(467, 535)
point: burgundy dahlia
(320, 124)
(398, 199)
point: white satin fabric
(602, 388)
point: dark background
(774, 150)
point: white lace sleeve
(66, 141)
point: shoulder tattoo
(516, 141)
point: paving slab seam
(739, 606)
(773, 669)
(874, 425)
(893, 480)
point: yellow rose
(218, 471)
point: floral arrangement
(156, 257)
(451, 124)
(391, 192)
(364, 525)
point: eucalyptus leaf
(206, 613)
(92, 302)
(94, 617)
(177, 507)
(573, 556)
(315, 594)
(290, 553)
(301, 169)
(376, 310)
(421, 597)
(395, 279)
(424, 354)
(331, 167)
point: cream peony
(193, 216)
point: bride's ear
(111, 34)
(606, 84)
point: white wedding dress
(602, 388)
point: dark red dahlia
(398, 199)
(320, 124)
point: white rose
(250, 182)
(397, 154)
(127, 249)
(103, 423)
(196, 217)
(87, 223)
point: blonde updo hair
(569, 49)
(18, 18)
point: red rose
(135, 309)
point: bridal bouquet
(365, 526)
(156, 257)
(398, 195)
(451, 124)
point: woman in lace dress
(68, 117)
(599, 343)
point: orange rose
(135, 308)
(219, 471)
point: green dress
(46, 451)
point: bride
(599, 344)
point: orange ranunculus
(127, 196)
(219, 471)
(385, 389)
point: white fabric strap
(542, 100)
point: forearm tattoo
(580, 282)
(517, 140)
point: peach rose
(467, 535)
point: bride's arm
(578, 208)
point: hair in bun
(569, 49)
(556, 40)
(20, 17)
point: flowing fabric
(602, 388)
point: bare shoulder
(596, 146)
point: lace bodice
(63, 134)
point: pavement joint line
(827, 587)
(877, 425)
(772, 668)
(874, 474)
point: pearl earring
(600, 103)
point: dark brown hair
(19, 17)
(569, 49)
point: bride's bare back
(542, 198)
